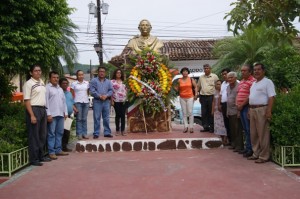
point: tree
(6, 88)
(283, 66)
(30, 31)
(68, 50)
(246, 48)
(278, 14)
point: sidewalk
(213, 173)
(170, 174)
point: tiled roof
(189, 49)
(177, 50)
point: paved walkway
(211, 174)
(214, 173)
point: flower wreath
(151, 82)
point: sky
(170, 20)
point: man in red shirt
(242, 101)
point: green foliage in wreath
(150, 82)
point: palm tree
(67, 48)
(246, 48)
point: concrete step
(154, 141)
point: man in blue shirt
(64, 83)
(101, 89)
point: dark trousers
(120, 109)
(226, 121)
(236, 132)
(206, 107)
(65, 139)
(37, 133)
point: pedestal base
(160, 122)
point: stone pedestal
(160, 122)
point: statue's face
(145, 28)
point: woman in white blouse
(80, 90)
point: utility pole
(100, 54)
(96, 10)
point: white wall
(16, 82)
(193, 65)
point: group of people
(45, 112)
(232, 107)
(48, 105)
(228, 109)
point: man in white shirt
(36, 117)
(223, 100)
(261, 99)
(57, 111)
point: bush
(6, 87)
(285, 128)
(283, 66)
(13, 133)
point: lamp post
(96, 10)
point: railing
(286, 155)
(10, 162)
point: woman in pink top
(119, 100)
(187, 98)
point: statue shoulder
(133, 40)
(156, 42)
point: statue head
(145, 27)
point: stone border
(148, 144)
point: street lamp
(96, 11)
(97, 48)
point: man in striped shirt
(36, 116)
(242, 101)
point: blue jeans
(101, 109)
(81, 118)
(246, 126)
(55, 133)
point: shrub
(13, 133)
(283, 66)
(6, 87)
(285, 128)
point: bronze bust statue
(138, 43)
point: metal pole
(91, 73)
(99, 32)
